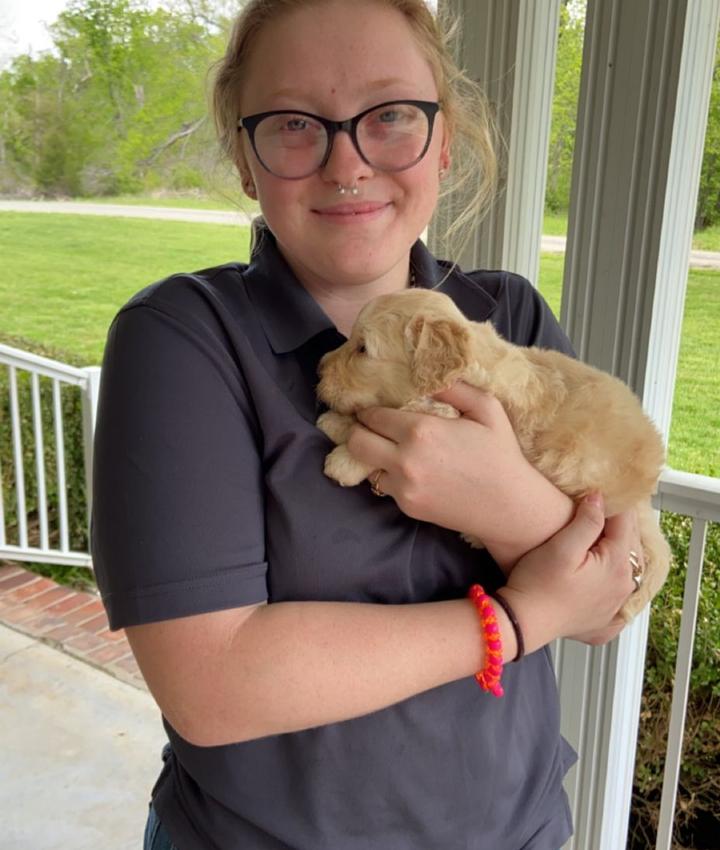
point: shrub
(697, 814)
(76, 490)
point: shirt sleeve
(177, 522)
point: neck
(342, 300)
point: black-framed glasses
(391, 136)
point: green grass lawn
(708, 239)
(66, 276)
(555, 224)
(216, 200)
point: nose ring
(342, 190)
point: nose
(345, 166)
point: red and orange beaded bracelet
(489, 677)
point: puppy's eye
(361, 349)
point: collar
(290, 316)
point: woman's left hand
(601, 636)
(467, 474)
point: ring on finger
(637, 570)
(375, 483)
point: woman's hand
(574, 585)
(467, 474)
(599, 637)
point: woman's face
(337, 59)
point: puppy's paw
(336, 426)
(342, 467)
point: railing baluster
(18, 457)
(40, 462)
(683, 666)
(60, 455)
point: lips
(361, 208)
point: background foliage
(119, 105)
(562, 131)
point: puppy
(582, 428)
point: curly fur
(582, 428)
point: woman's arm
(245, 673)
(467, 474)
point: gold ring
(637, 570)
(375, 481)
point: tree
(708, 207)
(121, 106)
(565, 100)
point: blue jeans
(156, 838)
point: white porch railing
(20, 363)
(695, 496)
(698, 497)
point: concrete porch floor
(79, 751)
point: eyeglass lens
(390, 138)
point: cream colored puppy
(582, 428)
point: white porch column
(643, 106)
(508, 46)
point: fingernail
(595, 498)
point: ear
(441, 350)
(248, 184)
(246, 179)
(249, 188)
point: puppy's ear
(441, 352)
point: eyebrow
(375, 85)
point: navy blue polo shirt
(209, 494)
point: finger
(618, 541)
(620, 537)
(371, 448)
(394, 425)
(583, 531)
(621, 527)
(473, 403)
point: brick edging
(71, 620)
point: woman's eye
(389, 116)
(296, 124)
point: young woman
(312, 649)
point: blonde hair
(473, 174)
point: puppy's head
(403, 346)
